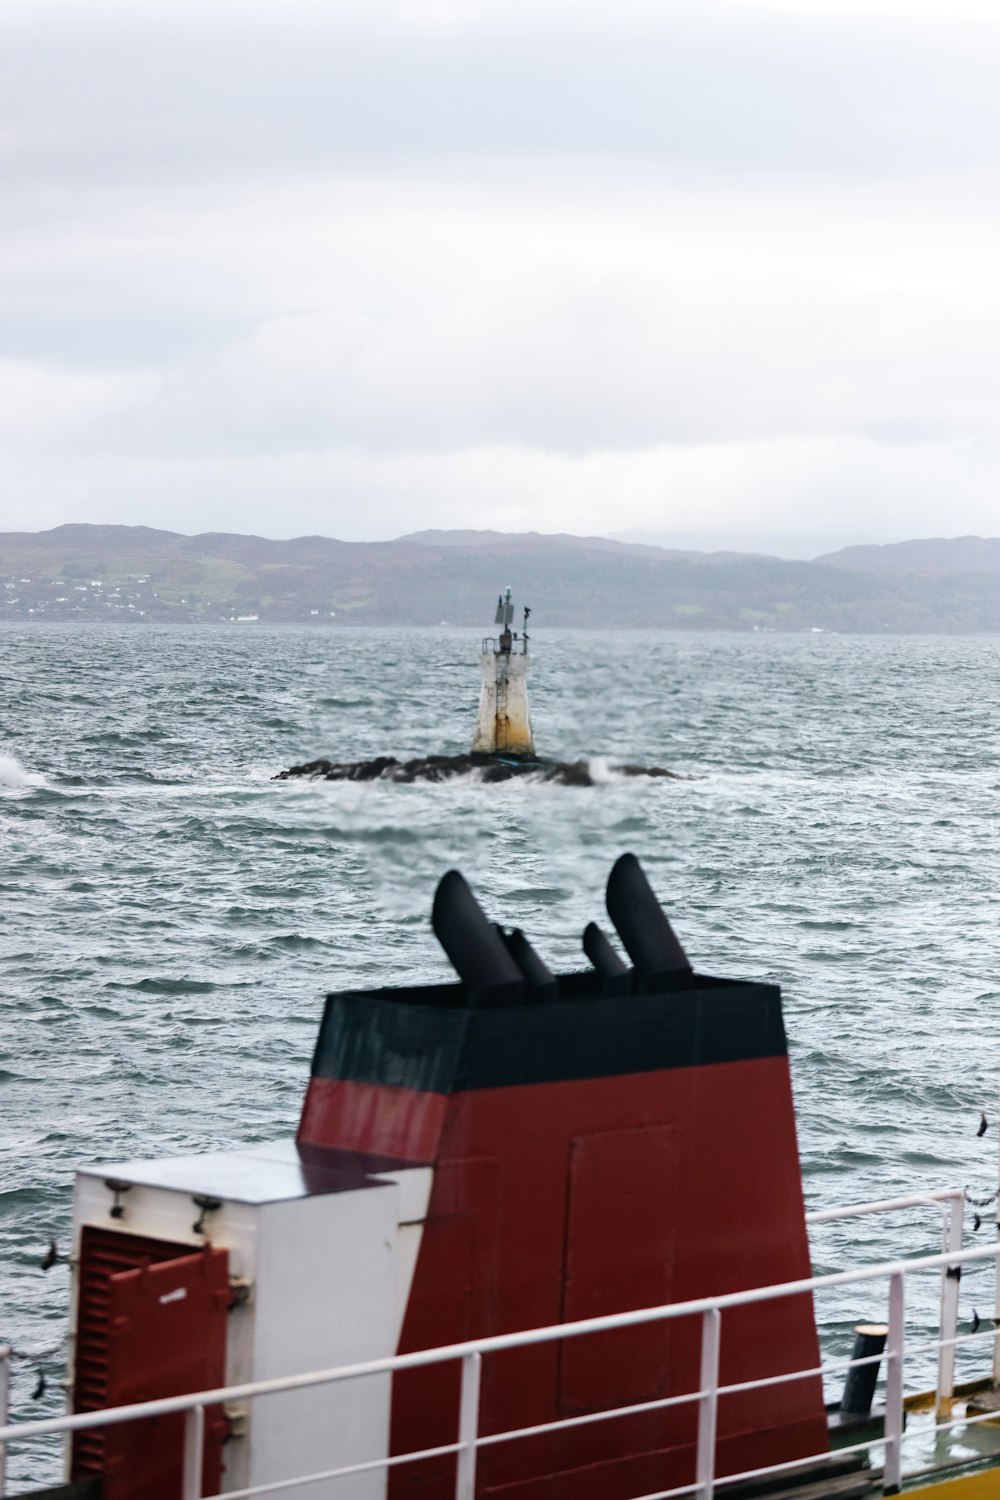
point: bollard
(859, 1387)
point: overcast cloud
(725, 272)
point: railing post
(194, 1453)
(5, 1354)
(468, 1426)
(708, 1402)
(951, 1241)
(996, 1295)
(892, 1477)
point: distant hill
(933, 555)
(536, 541)
(136, 573)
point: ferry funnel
(589, 1152)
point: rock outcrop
(488, 768)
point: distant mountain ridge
(931, 555)
(536, 540)
(84, 572)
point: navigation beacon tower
(504, 725)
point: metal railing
(951, 1203)
(469, 1442)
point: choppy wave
(15, 776)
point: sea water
(172, 917)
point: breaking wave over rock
(486, 768)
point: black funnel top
(476, 949)
(642, 925)
(538, 976)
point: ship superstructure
(539, 1236)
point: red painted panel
(168, 1326)
(620, 1243)
(726, 1134)
(459, 1240)
(372, 1117)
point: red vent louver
(103, 1254)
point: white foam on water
(15, 776)
(603, 773)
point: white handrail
(940, 1197)
(470, 1352)
(494, 1344)
(951, 1202)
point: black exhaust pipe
(477, 951)
(641, 922)
(538, 977)
(616, 977)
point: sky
(718, 274)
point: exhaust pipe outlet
(477, 952)
(616, 976)
(538, 977)
(641, 923)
